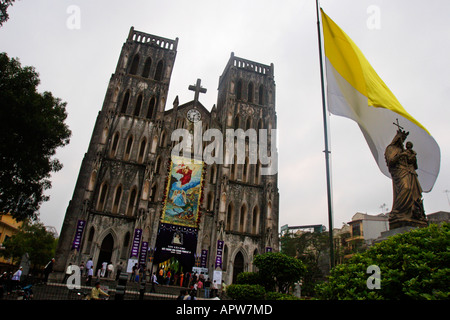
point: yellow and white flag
(355, 91)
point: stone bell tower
(112, 193)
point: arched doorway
(106, 250)
(238, 265)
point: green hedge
(413, 265)
(246, 292)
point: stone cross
(198, 89)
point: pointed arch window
(147, 65)
(102, 198)
(255, 220)
(115, 143)
(142, 150)
(131, 202)
(242, 218)
(159, 70)
(210, 201)
(261, 95)
(158, 165)
(134, 65)
(128, 147)
(117, 199)
(246, 170)
(151, 108)
(239, 90)
(250, 92)
(230, 217)
(125, 101)
(137, 108)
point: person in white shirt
(89, 264)
(16, 278)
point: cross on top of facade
(198, 89)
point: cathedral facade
(121, 195)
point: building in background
(8, 227)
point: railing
(147, 38)
(253, 66)
(60, 291)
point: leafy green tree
(278, 270)
(33, 239)
(312, 249)
(32, 129)
(4, 16)
(413, 265)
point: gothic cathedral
(125, 179)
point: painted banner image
(183, 192)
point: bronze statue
(407, 207)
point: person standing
(16, 278)
(48, 269)
(119, 268)
(207, 286)
(89, 276)
(89, 264)
(214, 289)
(154, 282)
(110, 270)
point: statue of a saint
(407, 207)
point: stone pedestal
(393, 232)
(402, 223)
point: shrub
(246, 292)
(413, 265)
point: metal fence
(61, 291)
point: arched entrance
(106, 250)
(238, 265)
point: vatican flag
(355, 91)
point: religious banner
(219, 254)
(183, 192)
(136, 243)
(203, 258)
(78, 235)
(179, 241)
(143, 255)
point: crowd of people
(193, 284)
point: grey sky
(407, 43)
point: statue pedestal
(400, 223)
(393, 232)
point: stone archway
(106, 250)
(238, 265)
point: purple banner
(136, 243)
(219, 254)
(78, 234)
(143, 256)
(203, 258)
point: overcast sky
(75, 45)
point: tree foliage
(278, 270)
(312, 249)
(4, 16)
(413, 265)
(32, 129)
